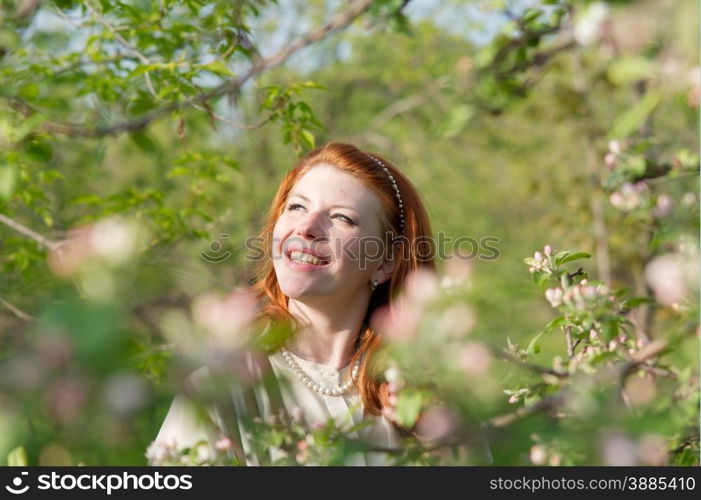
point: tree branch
(51, 245)
(339, 21)
(604, 375)
(541, 370)
(18, 312)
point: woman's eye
(347, 219)
(294, 206)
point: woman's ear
(384, 272)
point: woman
(339, 233)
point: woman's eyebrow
(298, 195)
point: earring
(373, 285)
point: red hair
(349, 159)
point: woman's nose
(310, 226)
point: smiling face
(337, 218)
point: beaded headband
(396, 192)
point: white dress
(183, 427)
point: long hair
(412, 256)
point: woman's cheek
(351, 253)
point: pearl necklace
(316, 387)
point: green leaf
(8, 181)
(17, 457)
(408, 407)
(629, 70)
(609, 330)
(308, 139)
(555, 322)
(533, 345)
(89, 199)
(530, 15)
(629, 121)
(145, 142)
(571, 257)
(177, 172)
(217, 67)
(455, 122)
(637, 301)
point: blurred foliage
(141, 143)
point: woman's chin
(299, 292)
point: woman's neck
(328, 335)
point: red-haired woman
(336, 249)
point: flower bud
(610, 160)
(548, 250)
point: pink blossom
(665, 276)
(457, 272)
(663, 207)
(297, 414)
(689, 199)
(223, 444)
(302, 457)
(457, 320)
(538, 455)
(227, 318)
(617, 449)
(421, 287)
(653, 450)
(397, 322)
(69, 255)
(160, 452)
(436, 424)
(392, 375)
(474, 358)
(554, 296)
(111, 240)
(629, 196)
(589, 25)
(610, 160)
(615, 146)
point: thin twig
(51, 245)
(542, 370)
(570, 344)
(407, 103)
(18, 312)
(546, 404)
(648, 351)
(230, 122)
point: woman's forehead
(328, 185)
(326, 182)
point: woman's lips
(302, 266)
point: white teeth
(306, 258)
